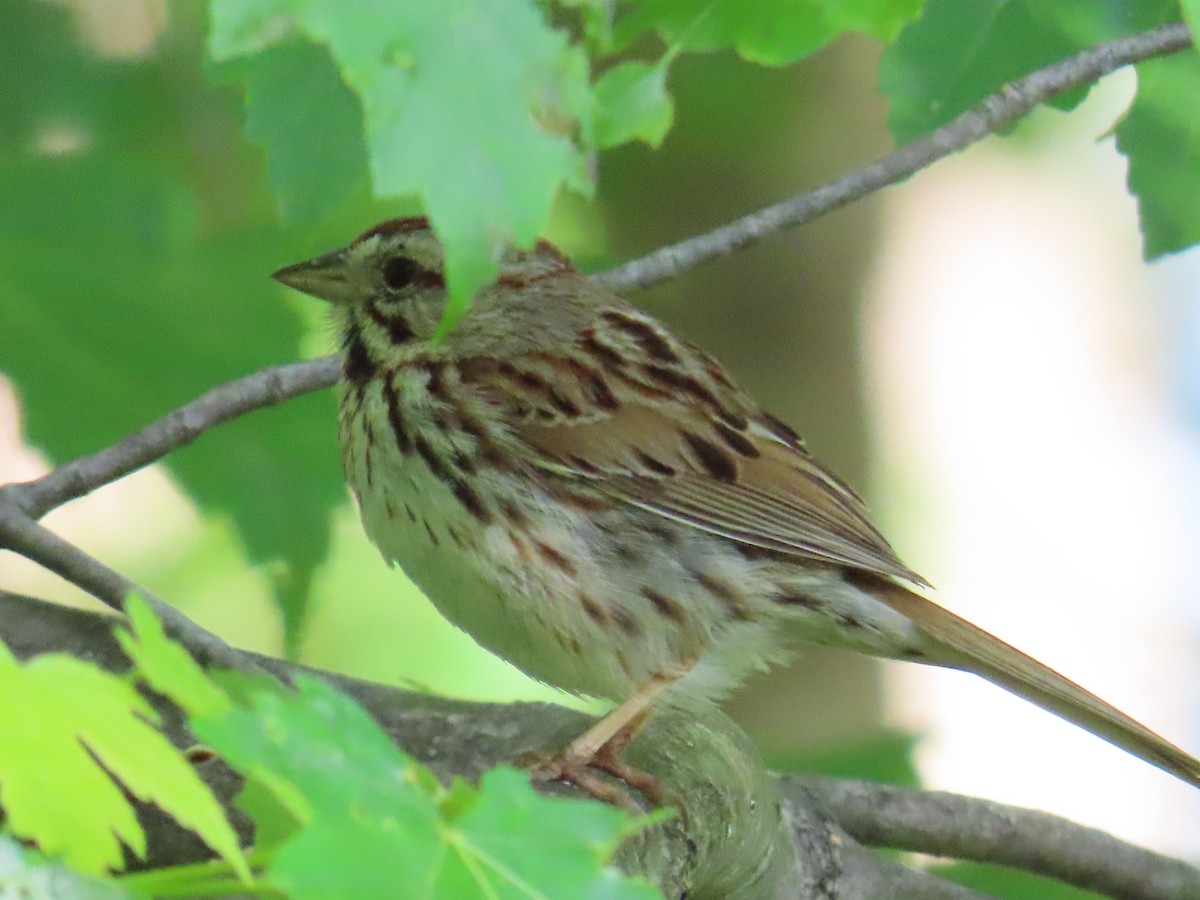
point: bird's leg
(601, 745)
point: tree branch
(1010, 103)
(21, 534)
(942, 824)
(179, 428)
(736, 841)
(276, 384)
(1118, 869)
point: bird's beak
(323, 277)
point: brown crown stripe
(470, 499)
(521, 280)
(715, 461)
(396, 418)
(738, 441)
(546, 248)
(667, 606)
(649, 338)
(405, 225)
(556, 558)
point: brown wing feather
(656, 423)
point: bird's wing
(654, 422)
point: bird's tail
(955, 642)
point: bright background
(981, 348)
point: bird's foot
(585, 775)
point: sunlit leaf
(63, 720)
(1161, 138)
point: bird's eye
(400, 271)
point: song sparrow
(594, 499)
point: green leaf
(139, 264)
(632, 103)
(241, 27)
(289, 89)
(165, 665)
(470, 107)
(390, 827)
(515, 842)
(770, 32)
(1191, 15)
(957, 53)
(64, 719)
(25, 875)
(273, 823)
(1161, 138)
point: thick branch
(736, 843)
(942, 824)
(1010, 103)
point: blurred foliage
(1009, 884)
(141, 201)
(338, 810)
(1160, 139)
(958, 53)
(886, 756)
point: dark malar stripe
(357, 366)
(397, 327)
(396, 418)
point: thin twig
(958, 827)
(21, 534)
(1010, 103)
(174, 430)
